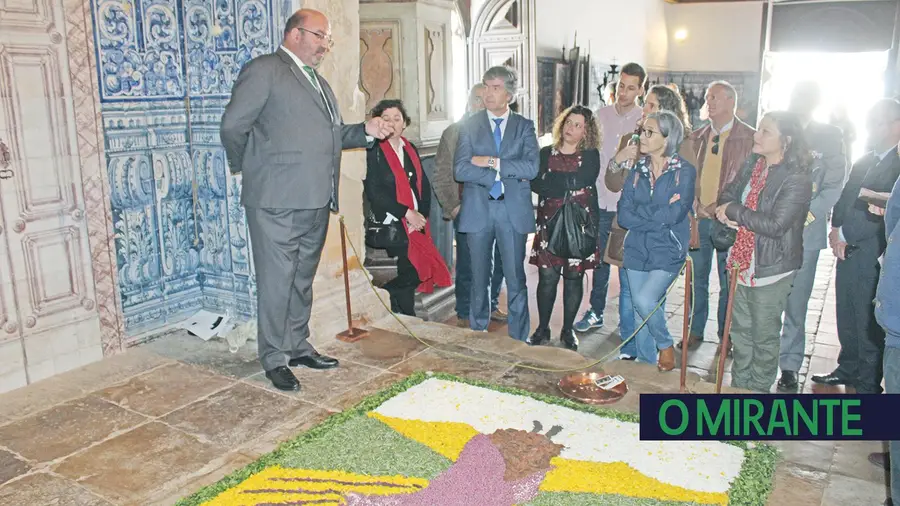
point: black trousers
(861, 338)
(403, 287)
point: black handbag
(572, 234)
(381, 236)
(722, 236)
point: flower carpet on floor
(438, 440)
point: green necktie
(312, 77)
(315, 82)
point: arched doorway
(503, 34)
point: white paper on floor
(207, 325)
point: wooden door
(504, 34)
(47, 299)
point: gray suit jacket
(829, 171)
(278, 133)
(519, 159)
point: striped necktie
(315, 82)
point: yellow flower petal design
(618, 478)
(277, 484)
(446, 438)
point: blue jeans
(626, 315)
(892, 384)
(600, 283)
(702, 259)
(648, 290)
(463, 282)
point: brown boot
(666, 359)
(694, 341)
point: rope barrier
(514, 364)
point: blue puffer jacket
(887, 298)
(659, 233)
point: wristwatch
(491, 162)
(614, 166)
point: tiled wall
(165, 70)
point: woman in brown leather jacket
(659, 98)
(767, 203)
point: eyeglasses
(715, 148)
(648, 133)
(321, 36)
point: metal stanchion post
(688, 279)
(723, 347)
(351, 334)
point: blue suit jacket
(519, 159)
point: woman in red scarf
(767, 203)
(399, 191)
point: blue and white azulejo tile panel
(166, 68)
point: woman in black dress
(399, 191)
(571, 165)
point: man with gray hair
(858, 240)
(722, 146)
(496, 158)
(449, 194)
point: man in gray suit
(829, 170)
(496, 158)
(282, 130)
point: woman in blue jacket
(656, 199)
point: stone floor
(162, 420)
(822, 346)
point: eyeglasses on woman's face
(648, 133)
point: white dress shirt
(318, 85)
(724, 129)
(401, 154)
(502, 127)
(313, 79)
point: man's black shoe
(788, 381)
(314, 361)
(283, 379)
(829, 379)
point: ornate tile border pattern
(152, 78)
(82, 70)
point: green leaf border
(751, 488)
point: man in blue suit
(496, 158)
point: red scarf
(745, 241)
(423, 255)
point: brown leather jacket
(735, 152)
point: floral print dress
(548, 206)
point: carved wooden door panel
(46, 283)
(504, 34)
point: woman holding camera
(656, 199)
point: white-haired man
(723, 146)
